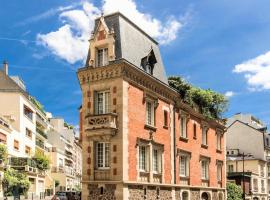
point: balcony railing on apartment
(40, 144)
(23, 164)
(103, 121)
(41, 132)
(63, 170)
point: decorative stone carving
(108, 192)
(102, 121)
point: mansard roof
(132, 43)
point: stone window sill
(183, 139)
(146, 126)
(204, 146)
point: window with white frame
(230, 168)
(157, 161)
(102, 102)
(204, 135)
(183, 126)
(219, 135)
(184, 165)
(205, 169)
(219, 172)
(150, 113)
(102, 155)
(102, 57)
(143, 161)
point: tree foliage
(210, 103)
(56, 183)
(42, 161)
(15, 180)
(3, 153)
(234, 192)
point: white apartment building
(66, 155)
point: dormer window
(102, 57)
(148, 62)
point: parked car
(60, 196)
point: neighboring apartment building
(139, 140)
(247, 135)
(18, 107)
(65, 154)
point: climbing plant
(210, 103)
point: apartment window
(255, 184)
(204, 135)
(28, 112)
(184, 165)
(219, 135)
(194, 131)
(28, 133)
(102, 154)
(157, 158)
(230, 168)
(102, 57)
(262, 170)
(219, 172)
(165, 118)
(267, 141)
(61, 162)
(183, 127)
(150, 113)
(3, 138)
(142, 158)
(102, 102)
(16, 145)
(27, 150)
(204, 169)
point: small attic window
(148, 62)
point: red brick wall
(194, 146)
(136, 114)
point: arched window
(205, 196)
(185, 195)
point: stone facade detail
(136, 192)
(195, 194)
(96, 193)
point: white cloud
(70, 41)
(256, 71)
(229, 94)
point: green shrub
(234, 192)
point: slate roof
(132, 43)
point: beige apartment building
(66, 156)
(248, 135)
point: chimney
(5, 67)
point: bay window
(102, 155)
(102, 102)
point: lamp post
(243, 172)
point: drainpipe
(174, 144)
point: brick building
(139, 140)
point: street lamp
(243, 172)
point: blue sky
(223, 45)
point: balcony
(41, 132)
(41, 121)
(40, 144)
(103, 121)
(102, 174)
(23, 164)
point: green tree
(234, 192)
(210, 103)
(14, 179)
(42, 161)
(56, 183)
(3, 153)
